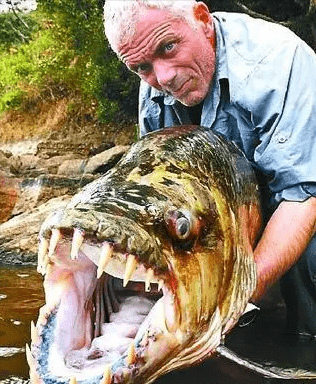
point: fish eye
(183, 227)
(179, 223)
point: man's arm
(283, 241)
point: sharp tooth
(42, 317)
(42, 267)
(149, 276)
(72, 380)
(34, 333)
(131, 355)
(105, 256)
(34, 377)
(56, 236)
(160, 285)
(46, 310)
(131, 265)
(29, 357)
(107, 375)
(42, 251)
(77, 241)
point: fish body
(149, 266)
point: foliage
(29, 69)
(101, 75)
(16, 27)
(67, 51)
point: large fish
(175, 223)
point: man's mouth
(177, 92)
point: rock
(9, 163)
(52, 148)
(96, 149)
(21, 147)
(9, 191)
(19, 235)
(52, 164)
(32, 185)
(5, 162)
(36, 191)
(75, 167)
(99, 163)
(28, 162)
(105, 160)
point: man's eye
(168, 47)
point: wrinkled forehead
(150, 29)
(147, 19)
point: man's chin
(191, 100)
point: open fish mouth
(148, 267)
(104, 307)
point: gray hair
(121, 16)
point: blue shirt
(263, 97)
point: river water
(21, 295)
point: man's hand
(283, 241)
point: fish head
(148, 267)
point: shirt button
(282, 139)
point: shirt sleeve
(284, 116)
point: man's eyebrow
(171, 37)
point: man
(255, 83)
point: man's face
(171, 55)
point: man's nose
(165, 73)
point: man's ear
(204, 17)
(201, 12)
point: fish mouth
(108, 316)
